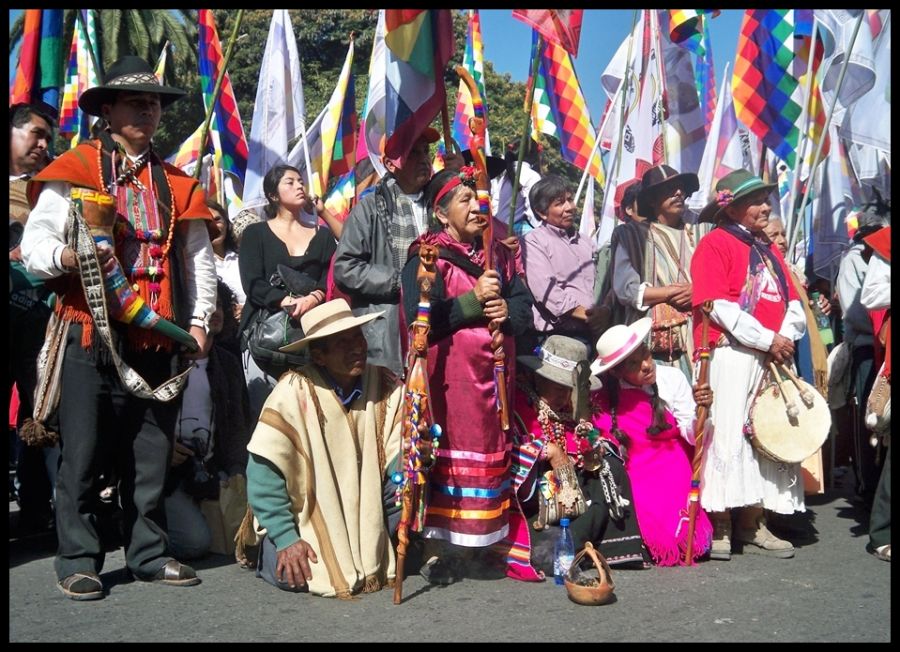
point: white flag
(868, 120)
(723, 152)
(278, 112)
(641, 145)
(834, 201)
(375, 100)
(836, 27)
(587, 226)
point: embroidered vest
(89, 166)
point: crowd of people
(136, 304)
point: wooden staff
(478, 126)
(699, 428)
(412, 477)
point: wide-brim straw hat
(618, 342)
(131, 74)
(729, 189)
(327, 319)
(660, 178)
(557, 360)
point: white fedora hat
(618, 342)
(327, 319)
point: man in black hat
(651, 265)
(162, 242)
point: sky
(507, 44)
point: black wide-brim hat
(131, 74)
(664, 177)
(495, 166)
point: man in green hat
(162, 242)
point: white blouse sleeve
(745, 328)
(676, 391)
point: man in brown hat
(162, 242)
(375, 243)
(327, 437)
(651, 265)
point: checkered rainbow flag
(80, 76)
(557, 89)
(768, 96)
(473, 61)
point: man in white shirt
(162, 243)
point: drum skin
(782, 438)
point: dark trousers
(102, 425)
(867, 471)
(26, 336)
(880, 520)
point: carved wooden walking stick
(478, 126)
(699, 429)
(412, 477)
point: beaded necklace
(553, 428)
(138, 206)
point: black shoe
(439, 571)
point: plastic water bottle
(822, 321)
(564, 552)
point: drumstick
(805, 395)
(792, 410)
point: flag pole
(529, 100)
(218, 87)
(663, 109)
(812, 174)
(623, 86)
(804, 134)
(87, 38)
(603, 124)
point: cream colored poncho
(333, 461)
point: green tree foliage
(141, 32)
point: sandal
(82, 586)
(174, 573)
(882, 552)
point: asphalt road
(832, 590)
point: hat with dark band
(131, 74)
(729, 189)
(661, 178)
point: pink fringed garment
(659, 467)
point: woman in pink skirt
(649, 409)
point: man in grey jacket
(858, 336)
(375, 242)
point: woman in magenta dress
(471, 492)
(649, 409)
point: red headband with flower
(465, 177)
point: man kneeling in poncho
(316, 477)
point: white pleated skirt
(734, 475)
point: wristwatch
(202, 321)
